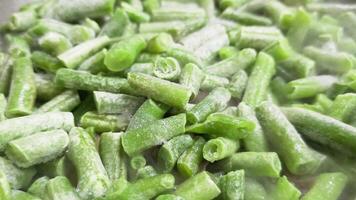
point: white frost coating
(209, 49)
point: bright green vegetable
(343, 107)
(46, 62)
(5, 190)
(38, 187)
(238, 84)
(55, 43)
(18, 178)
(192, 77)
(60, 188)
(110, 154)
(137, 162)
(20, 195)
(64, 102)
(166, 68)
(104, 123)
(219, 148)
(232, 185)
(188, 163)
(285, 190)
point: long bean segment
(167, 68)
(232, 185)
(219, 148)
(189, 162)
(192, 77)
(110, 154)
(104, 123)
(64, 102)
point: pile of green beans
(178, 100)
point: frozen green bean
(59, 188)
(188, 163)
(64, 102)
(104, 123)
(110, 154)
(192, 77)
(232, 185)
(38, 187)
(219, 148)
(54, 43)
(238, 84)
(5, 190)
(285, 190)
(18, 178)
(167, 68)
(46, 62)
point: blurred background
(9, 6)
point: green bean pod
(57, 167)
(166, 68)
(188, 163)
(217, 100)
(168, 197)
(110, 103)
(20, 195)
(211, 82)
(230, 66)
(232, 185)
(254, 190)
(137, 162)
(238, 84)
(135, 15)
(256, 141)
(140, 139)
(343, 107)
(297, 66)
(23, 89)
(21, 21)
(64, 102)
(261, 75)
(60, 188)
(104, 123)
(327, 186)
(280, 13)
(54, 43)
(144, 68)
(285, 190)
(224, 125)
(38, 187)
(46, 62)
(228, 52)
(5, 190)
(169, 152)
(123, 54)
(17, 46)
(184, 56)
(12, 129)
(219, 148)
(160, 90)
(171, 14)
(192, 188)
(18, 178)
(254, 163)
(298, 157)
(146, 172)
(257, 37)
(116, 25)
(330, 132)
(5, 73)
(160, 43)
(246, 18)
(192, 77)
(93, 180)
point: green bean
(238, 84)
(140, 139)
(167, 68)
(219, 148)
(188, 163)
(192, 77)
(224, 125)
(93, 180)
(116, 25)
(168, 197)
(262, 72)
(77, 9)
(148, 112)
(335, 62)
(17, 45)
(134, 14)
(95, 63)
(285, 190)
(104, 123)
(327, 186)
(54, 43)
(169, 152)
(254, 190)
(279, 50)
(281, 14)
(60, 188)
(254, 163)
(184, 56)
(232, 185)
(310, 86)
(217, 100)
(38, 187)
(174, 13)
(5, 73)
(160, 90)
(160, 43)
(144, 68)
(334, 8)
(298, 157)
(232, 3)
(5, 190)
(229, 66)
(46, 89)
(146, 58)
(23, 126)
(246, 18)
(137, 162)
(109, 103)
(80, 80)
(150, 5)
(297, 66)
(64, 102)
(228, 52)
(192, 188)
(23, 90)
(3, 103)
(343, 107)
(299, 28)
(110, 153)
(209, 50)
(323, 129)
(46, 62)
(91, 24)
(57, 167)
(18, 178)
(20, 195)
(73, 57)
(146, 172)
(75, 33)
(21, 21)
(211, 82)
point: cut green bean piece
(160, 43)
(58, 167)
(246, 18)
(134, 14)
(64, 102)
(228, 52)
(46, 62)
(174, 13)
(310, 86)
(166, 68)
(224, 125)
(5, 190)
(54, 43)
(230, 66)
(91, 24)
(279, 50)
(3, 103)
(238, 84)
(104, 123)
(123, 54)
(73, 57)
(327, 186)
(169, 197)
(257, 37)
(297, 66)
(323, 129)
(59, 188)
(23, 89)
(256, 141)
(110, 103)
(192, 188)
(137, 162)
(169, 152)
(12, 129)
(38, 187)
(254, 190)
(140, 139)
(219, 148)
(110, 154)
(184, 56)
(217, 100)
(298, 157)
(343, 107)
(17, 46)
(285, 190)
(254, 163)
(146, 172)
(188, 163)
(93, 180)
(80, 80)
(148, 112)
(223, 4)
(192, 77)
(258, 82)
(209, 50)
(232, 185)
(144, 68)
(160, 90)
(5, 73)
(211, 82)
(18, 178)
(37, 148)
(21, 21)
(299, 28)
(116, 25)
(20, 195)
